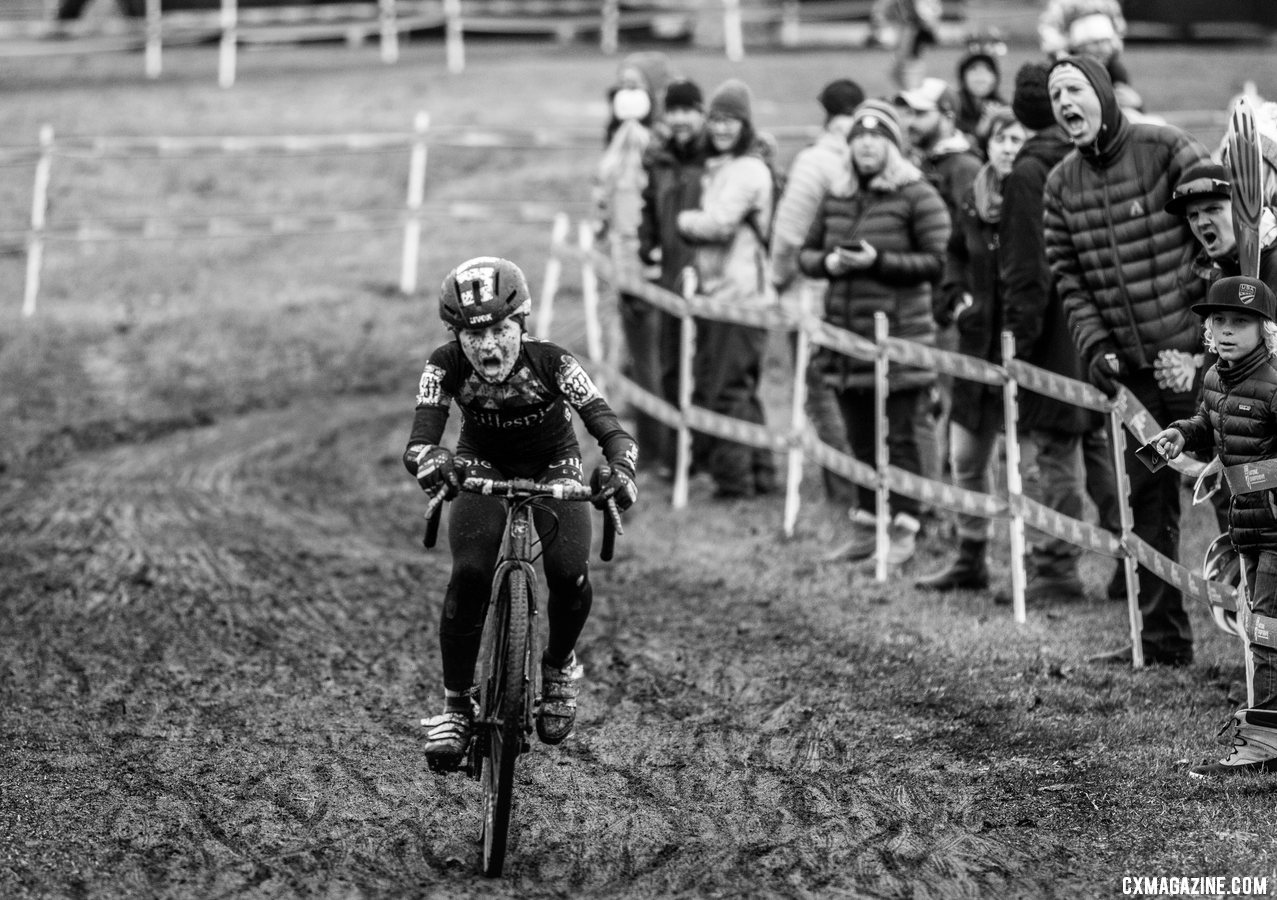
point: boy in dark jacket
(1238, 416)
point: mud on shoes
(556, 711)
(448, 734)
(1251, 738)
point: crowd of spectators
(1068, 217)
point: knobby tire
(505, 700)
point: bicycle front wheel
(506, 703)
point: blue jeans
(969, 455)
(1261, 596)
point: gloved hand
(614, 482)
(436, 468)
(1106, 365)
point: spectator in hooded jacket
(673, 165)
(971, 297)
(822, 168)
(979, 80)
(1053, 432)
(880, 247)
(729, 234)
(1121, 264)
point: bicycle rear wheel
(506, 703)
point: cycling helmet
(1222, 564)
(483, 291)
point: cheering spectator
(880, 247)
(1054, 432)
(1121, 264)
(673, 166)
(729, 234)
(971, 297)
(822, 168)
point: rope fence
(1125, 414)
(408, 219)
(232, 26)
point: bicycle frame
(507, 663)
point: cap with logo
(1200, 181)
(1239, 293)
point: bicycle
(508, 665)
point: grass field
(217, 628)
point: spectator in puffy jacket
(1122, 266)
(728, 233)
(817, 170)
(1053, 432)
(880, 247)
(1238, 419)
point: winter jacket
(727, 231)
(822, 168)
(904, 218)
(673, 185)
(1032, 310)
(619, 187)
(1238, 416)
(1120, 262)
(951, 166)
(972, 268)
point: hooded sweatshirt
(1121, 263)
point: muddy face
(494, 350)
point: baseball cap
(1239, 292)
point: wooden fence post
(154, 39)
(454, 41)
(686, 355)
(389, 31)
(1136, 619)
(797, 426)
(1015, 485)
(229, 44)
(553, 272)
(39, 213)
(882, 454)
(416, 194)
(733, 34)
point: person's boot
(969, 570)
(1251, 738)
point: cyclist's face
(494, 350)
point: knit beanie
(733, 99)
(841, 97)
(684, 94)
(1031, 102)
(877, 117)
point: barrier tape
(1057, 386)
(836, 461)
(190, 146)
(968, 367)
(1260, 630)
(1068, 529)
(949, 496)
(250, 224)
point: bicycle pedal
(444, 765)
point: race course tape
(1068, 529)
(251, 224)
(192, 146)
(949, 496)
(1142, 424)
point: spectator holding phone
(880, 247)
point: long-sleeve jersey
(524, 423)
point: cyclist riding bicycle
(516, 394)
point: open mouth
(490, 361)
(1209, 236)
(1073, 121)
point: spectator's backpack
(767, 150)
